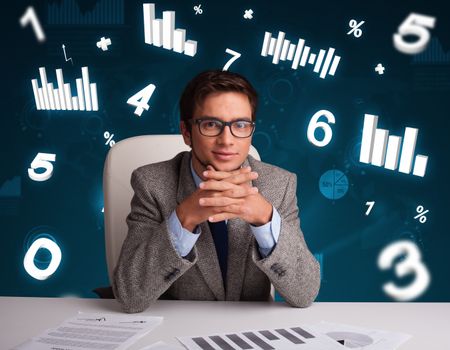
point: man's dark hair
(210, 82)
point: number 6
(314, 124)
(414, 25)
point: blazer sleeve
(291, 268)
(149, 263)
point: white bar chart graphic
(325, 62)
(380, 149)
(162, 32)
(47, 97)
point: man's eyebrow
(247, 119)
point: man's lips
(224, 153)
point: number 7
(235, 54)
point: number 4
(414, 24)
(140, 99)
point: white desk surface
(428, 323)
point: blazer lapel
(207, 262)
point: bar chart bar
(56, 97)
(379, 147)
(75, 103)
(168, 29)
(80, 94)
(284, 50)
(43, 75)
(291, 51)
(157, 32)
(312, 58)
(93, 92)
(334, 65)
(190, 48)
(68, 96)
(327, 62)
(50, 96)
(265, 47)
(300, 45)
(272, 44)
(179, 37)
(420, 165)
(368, 135)
(87, 94)
(60, 78)
(304, 56)
(393, 152)
(149, 16)
(319, 61)
(276, 55)
(41, 98)
(409, 146)
(34, 84)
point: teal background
(414, 92)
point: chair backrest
(124, 157)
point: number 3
(410, 264)
(414, 24)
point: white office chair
(120, 162)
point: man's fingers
(213, 185)
(222, 216)
(220, 175)
(218, 201)
(240, 192)
(242, 178)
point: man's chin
(226, 166)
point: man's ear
(186, 133)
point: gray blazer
(149, 266)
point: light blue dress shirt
(184, 240)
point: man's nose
(226, 137)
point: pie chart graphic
(351, 339)
(333, 184)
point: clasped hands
(225, 195)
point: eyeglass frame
(224, 124)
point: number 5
(410, 264)
(414, 24)
(42, 160)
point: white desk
(428, 323)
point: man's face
(224, 152)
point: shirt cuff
(182, 239)
(267, 234)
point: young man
(214, 223)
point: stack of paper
(94, 331)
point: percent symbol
(421, 216)
(357, 32)
(109, 137)
(198, 9)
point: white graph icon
(282, 50)
(61, 99)
(380, 149)
(162, 32)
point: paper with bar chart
(325, 62)
(162, 32)
(380, 149)
(280, 338)
(47, 97)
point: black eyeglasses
(214, 127)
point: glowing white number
(414, 24)
(140, 99)
(235, 55)
(42, 160)
(410, 264)
(28, 261)
(314, 124)
(30, 17)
